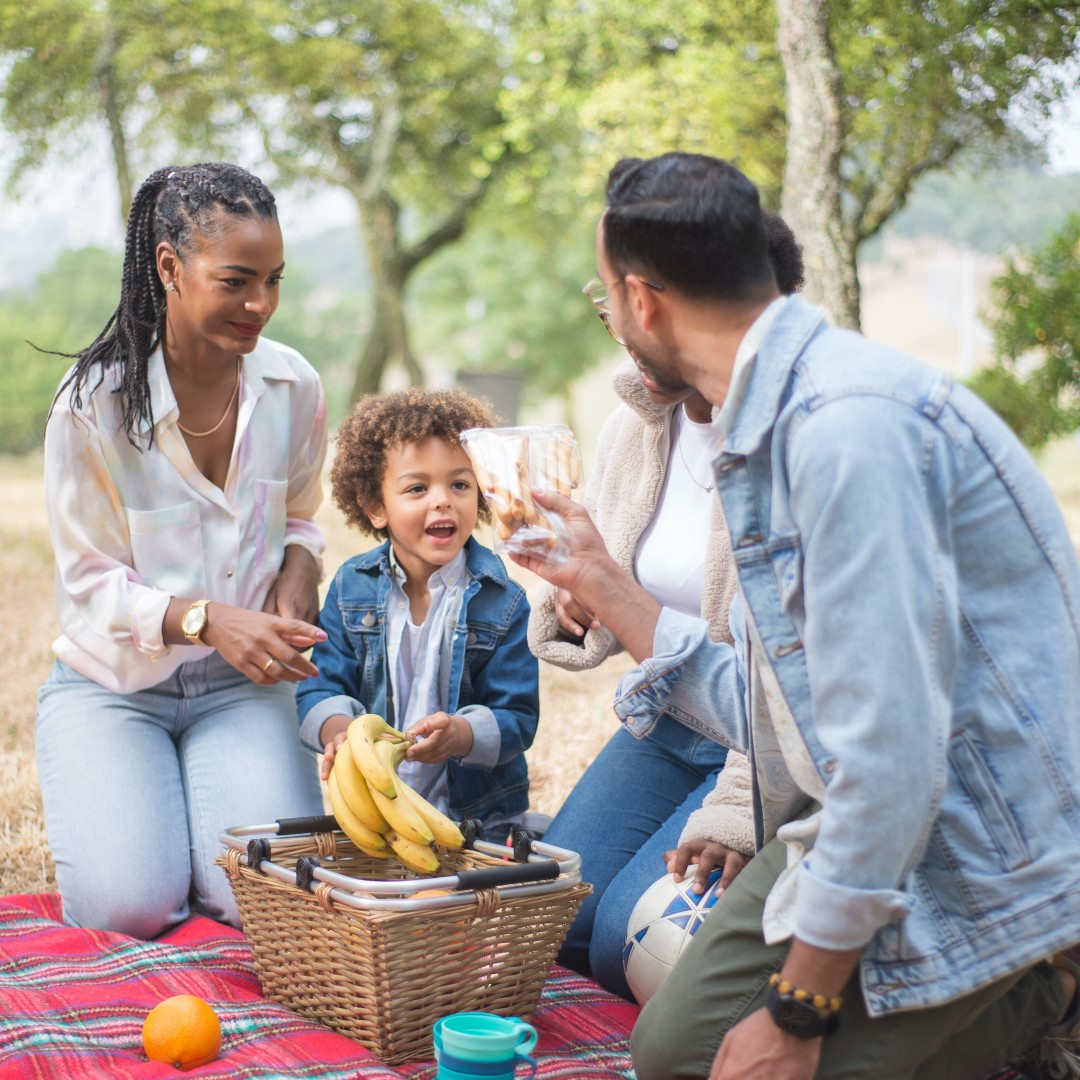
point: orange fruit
(183, 1031)
(421, 893)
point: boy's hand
(439, 736)
(330, 750)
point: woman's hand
(295, 591)
(262, 647)
(705, 856)
(439, 736)
(573, 618)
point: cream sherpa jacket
(621, 495)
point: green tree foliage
(989, 210)
(63, 311)
(1035, 385)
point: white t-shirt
(670, 560)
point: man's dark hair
(181, 204)
(690, 222)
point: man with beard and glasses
(904, 676)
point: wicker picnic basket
(341, 938)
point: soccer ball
(662, 923)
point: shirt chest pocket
(167, 548)
(269, 525)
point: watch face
(193, 621)
(798, 1018)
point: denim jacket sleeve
(330, 692)
(504, 705)
(697, 681)
(880, 647)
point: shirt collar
(264, 363)
(724, 418)
(446, 576)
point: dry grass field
(576, 718)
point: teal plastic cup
(481, 1044)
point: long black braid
(177, 204)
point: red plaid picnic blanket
(72, 1005)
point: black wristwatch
(800, 1018)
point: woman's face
(226, 286)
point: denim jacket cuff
(832, 916)
(317, 715)
(643, 692)
(487, 739)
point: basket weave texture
(384, 977)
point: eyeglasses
(596, 292)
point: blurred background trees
(473, 139)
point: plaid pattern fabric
(72, 1005)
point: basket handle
(318, 823)
(510, 874)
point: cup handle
(525, 1045)
(531, 1062)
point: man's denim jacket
(917, 597)
(486, 673)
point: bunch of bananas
(376, 809)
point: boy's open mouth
(441, 530)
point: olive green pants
(723, 975)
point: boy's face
(429, 504)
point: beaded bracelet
(819, 1001)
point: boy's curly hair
(379, 422)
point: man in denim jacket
(905, 675)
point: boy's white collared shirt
(414, 656)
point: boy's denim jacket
(917, 597)
(486, 673)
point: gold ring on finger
(266, 666)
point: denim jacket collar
(481, 562)
(793, 327)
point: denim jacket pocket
(787, 566)
(986, 802)
(364, 625)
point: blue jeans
(623, 814)
(136, 788)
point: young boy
(426, 630)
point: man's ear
(377, 515)
(646, 302)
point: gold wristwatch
(194, 622)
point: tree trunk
(104, 76)
(388, 341)
(811, 199)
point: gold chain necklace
(224, 415)
(678, 446)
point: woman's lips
(247, 329)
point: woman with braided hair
(183, 456)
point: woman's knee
(140, 911)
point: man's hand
(295, 591)
(439, 736)
(705, 856)
(595, 580)
(756, 1049)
